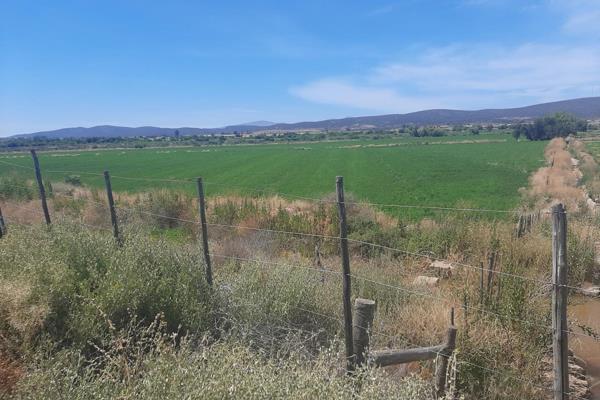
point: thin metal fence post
(350, 357)
(481, 293)
(42, 190)
(111, 206)
(560, 344)
(2, 225)
(202, 209)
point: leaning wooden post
(202, 209)
(441, 371)
(560, 345)
(364, 312)
(350, 359)
(111, 207)
(38, 177)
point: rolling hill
(588, 108)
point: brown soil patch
(558, 181)
(10, 373)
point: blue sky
(205, 64)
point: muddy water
(588, 313)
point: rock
(591, 204)
(578, 381)
(579, 362)
(592, 291)
(403, 370)
(576, 370)
(428, 281)
(443, 268)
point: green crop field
(445, 171)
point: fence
(357, 325)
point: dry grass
(502, 331)
(17, 310)
(409, 319)
(557, 182)
(17, 314)
(22, 212)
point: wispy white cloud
(530, 67)
(482, 2)
(466, 77)
(582, 17)
(342, 92)
(576, 17)
(385, 9)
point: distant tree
(520, 130)
(550, 126)
(177, 133)
(427, 131)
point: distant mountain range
(588, 108)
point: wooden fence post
(42, 190)
(202, 209)
(111, 207)
(350, 358)
(364, 312)
(442, 362)
(560, 345)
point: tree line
(550, 126)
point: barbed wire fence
(559, 328)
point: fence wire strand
(326, 270)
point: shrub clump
(15, 188)
(76, 280)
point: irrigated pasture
(483, 172)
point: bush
(367, 230)
(265, 301)
(81, 280)
(15, 188)
(167, 206)
(551, 126)
(74, 180)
